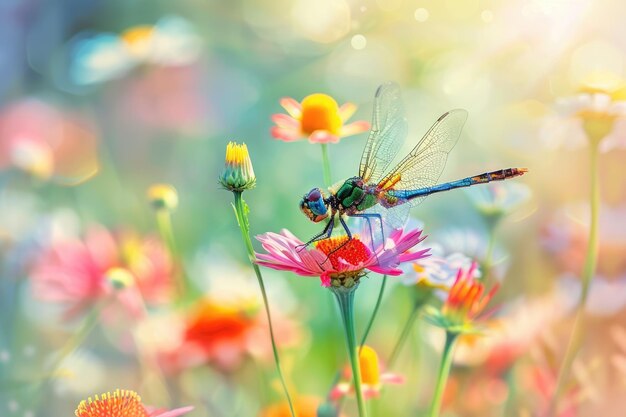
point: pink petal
(325, 277)
(339, 391)
(390, 378)
(175, 413)
(354, 128)
(284, 121)
(292, 106)
(323, 136)
(284, 134)
(346, 111)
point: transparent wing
(389, 128)
(423, 165)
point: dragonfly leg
(367, 217)
(348, 233)
(324, 234)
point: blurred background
(99, 100)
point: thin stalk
(374, 312)
(345, 299)
(587, 275)
(164, 224)
(242, 219)
(442, 376)
(77, 338)
(326, 165)
(491, 243)
(406, 330)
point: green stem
(345, 299)
(242, 219)
(164, 223)
(375, 312)
(408, 326)
(442, 376)
(326, 165)
(488, 261)
(587, 275)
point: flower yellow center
(368, 362)
(352, 251)
(121, 403)
(320, 112)
(237, 155)
(138, 40)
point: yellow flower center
(340, 248)
(119, 404)
(368, 362)
(138, 40)
(320, 112)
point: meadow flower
(498, 199)
(238, 173)
(163, 197)
(607, 297)
(47, 142)
(595, 115)
(318, 117)
(439, 270)
(465, 301)
(304, 406)
(339, 261)
(172, 41)
(224, 334)
(80, 273)
(123, 403)
(565, 236)
(372, 379)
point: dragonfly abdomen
(498, 175)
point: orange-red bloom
(122, 403)
(466, 300)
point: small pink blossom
(80, 273)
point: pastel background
(90, 118)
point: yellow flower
(238, 174)
(372, 377)
(163, 196)
(318, 118)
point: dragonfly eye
(314, 195)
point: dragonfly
(386, 196)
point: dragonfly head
(314, 206)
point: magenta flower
(318, 117)
(338, 257)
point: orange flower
(466, 300)
(303, 406)
(122, 403)
(318, 118)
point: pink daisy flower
(81, 273)
(338, 257)
(318, 117)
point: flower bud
(238, 174)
